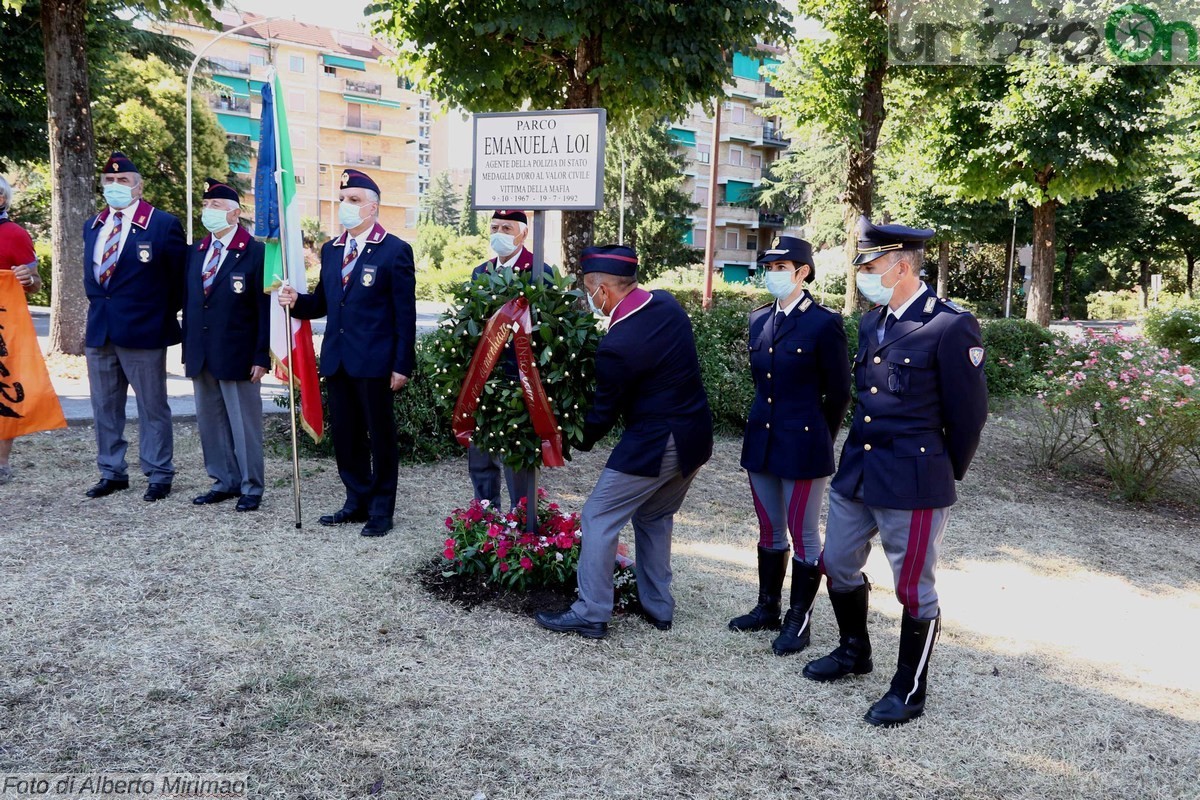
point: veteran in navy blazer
(226, 349)
(367, 291)
(134, 260)
(508, 231)
(801, 369)
(922, 405)
(648, 378)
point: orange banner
(28, 403)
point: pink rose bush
(1138, 404)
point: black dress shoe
(213, 496)
(377, 526)
(107, 486)
(249, 502)
(342, 516)
(570, 622)
(156, 491)
(661, 624)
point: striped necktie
(112, 246)
(210, 272)
(348, 263)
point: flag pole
(287, 311)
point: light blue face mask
(349, 214)
(595, 308)
(502, 244)
(117, 195)
(872, 286)
(214, 219)
(780, 284)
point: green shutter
(371, 101)
(238, 87)
(746, 67)
(239, 126)
(346, 63)
(735, 191)
(686, 138)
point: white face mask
(349, 214)
(214, 219)
(502, 244)
(872, 286)
(780, 284)
(591, 299)
(117, 195)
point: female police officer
(801, 369)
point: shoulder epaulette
(953, 306)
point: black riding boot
(853, 655)
(905, 700)
(772, 567)
(806, 580)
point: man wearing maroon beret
(368, 291)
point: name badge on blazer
(238, 281)
(368, 274)
(144, 253)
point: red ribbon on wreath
(513, 317)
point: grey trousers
(651, 504)
(111, 371)
(485, 469)
(783, 504)
(911, 539)
(230, 417)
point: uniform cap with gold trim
(876, 240)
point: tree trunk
(1144, 280)
(1068, 278)
(943, 281)
(860, 174)
(1041, 289)
(1191, 273)
(72, 165)
(583, 91)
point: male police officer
(368, 290)
(134, 260)
(922, 403)
(226, 343)
(509, 230)
(648, 374)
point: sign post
(539, 161)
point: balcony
(773, 137)
(230, 105)
(767, 219)
(352, 86)
(772, 93)
(229, 66)
(364, 159)
(368, 125)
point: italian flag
(277, 223)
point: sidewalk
(75, 395)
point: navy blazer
(139, 307)
(801, 391)
(229, 331)
(371, 331)
(648, 376)
(524, 263)
(922, 404)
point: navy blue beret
(515, 216)
(119, 164)
(353, 179)
(215, 190)
(610, 259)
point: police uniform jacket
(372, 325)
(139, 307)
(922, 404)
(229, 331)
(648, 377)
(801, 391)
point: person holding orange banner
(27, 400)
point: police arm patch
(976, 355)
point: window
(732, 240)
(295, 100)
(297, 139)
(299, 171)
(703, 153)
(328, 70)
(756, 160)
(751, 241)
(700, 195)
(737, 113)
(257, 60)
(296, 63)
(735, 156)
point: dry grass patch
(172, 637)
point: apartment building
(345, 108)
(749, 140)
